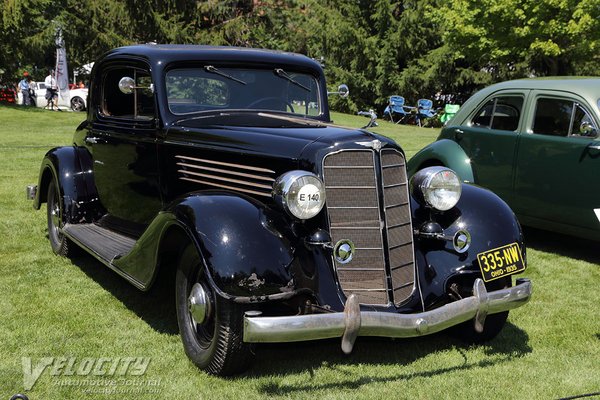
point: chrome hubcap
(198, 304)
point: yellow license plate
(500, 262)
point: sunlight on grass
(56, 307)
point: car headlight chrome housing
(300, 193)
(436, 187)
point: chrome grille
(355, 213)
(398, 224)
(237, 177)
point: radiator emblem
(374, 144)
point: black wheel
(61, 245)
(272, 100)
(210, 326)
(77, 104)
(493, 322)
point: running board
(101, 242)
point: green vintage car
(535, 143)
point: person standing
(25, 88)
(51, 90)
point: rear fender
(446, 153)
(71, 168)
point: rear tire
(60, 244)
(214, 344)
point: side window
(562, 117)
(502, 113)
(138, 105)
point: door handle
(458, 134)
(594, 146)
(91, 140)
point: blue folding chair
(395, 110)
(425, 110)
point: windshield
(213, 88)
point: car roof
(587, 87)
(167, 53)
(579, 84)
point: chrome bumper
(352, 322)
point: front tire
(212, 338)
(493, 322)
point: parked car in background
(535, 143)
(7, 94)
(222, 164)
(77, 100)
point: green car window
(502, 113)
(560, 117)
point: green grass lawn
(56, 307)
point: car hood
(293, 140)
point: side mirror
(127, 85)
(342, 91)
(587, 129)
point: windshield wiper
(282, 74)
(213, 70)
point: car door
(557, 178)
(489, 138)
(122, 141)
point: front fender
(442, 152)
(71, 168)
(245, 245)
(491, 224)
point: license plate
(500, 262)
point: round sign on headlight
(300, 193)
(436, 187)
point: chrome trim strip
(359, 228)
(346, 208)
(398, 225)
(225, 171)
(394, 165)
(352, 187)
(400, 266)
(359, 269)
(388, 324)
(346, 166)
(226, 187)
(220, 178)
(399, 245)
(240, 166)
(405, 285)
(396, 205)
(395, 185)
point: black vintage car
(222, 163)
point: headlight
(300, 193)
(437, 187)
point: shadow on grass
(156, 307)
(567, 246)
(301, 357)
